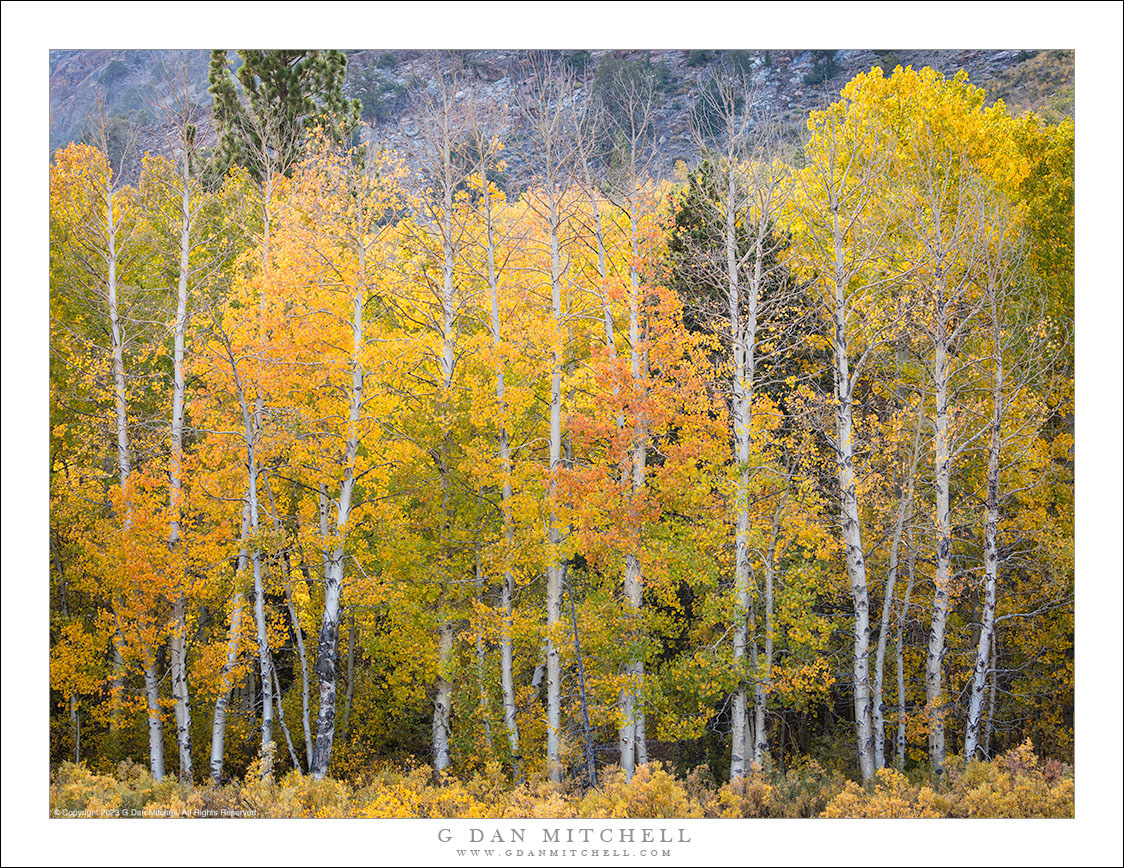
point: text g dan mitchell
(561, 835)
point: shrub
(652, 793)
(1016, 784)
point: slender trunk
(991, 571)
(120, 400)
(630, 704)
(298, 631)
(878, 705)
(334, 562)
(587, 738)
(259, 592)
(124, 462)
(218, 726)
(117, 688)
(934, 695)
(989, 723)
(326, 665)
(899, 655)
(303, 658)
(155, 719)
(507, 677)
(554, 537)
(267, 745)
(740, 387)
(507, 590)
(177, 644)
(281, 717)
(178, 639)
(443, 688)
(443, 698)
(849, 515)
(222, 702)
(764, 682)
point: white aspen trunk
(443, 687)
(177, 646)
(989, 723)
(633, 578)
(507, 591)
(155, 719)
(554, 537)
(117, 689)
(298, 632)
(124, 462)
(443, 699)
(259, 591)
(877, 702)
(603, 273)
(178, 639)
(267, 744)
(934, 696)
(334, 564)
(764, 681)
(973, 725)
(849, 514)
(281, 717)
(326, 665)
(740, 386)
(120, 405)
(899, 655)
(119, 394)
(222, 702)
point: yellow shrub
(652, 793)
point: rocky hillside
(790, 82)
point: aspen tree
(552, 147)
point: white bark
(934, 695)
(222, 702)
(178, 638)
(443, 699)
(334, 564)
(763, 683)
(554, 536)
(741, 385)
(281, 717)
(507, 591)
(631, 710)
(303, 657)
(124, 463)
(899, 656)
(155, 719)
(849, 513)
(978, 686)
(989, 723)
(877, 702)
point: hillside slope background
(790, 82)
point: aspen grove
(366, 457)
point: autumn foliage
(413, 394)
